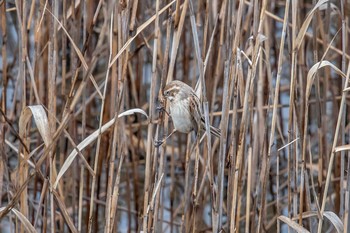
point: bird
(185, 109)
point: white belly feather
(181, 116)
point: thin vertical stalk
(148, 177)
(113, 147)
(52, 67)
(23, 168)
(291, 121)
(276, 98)
(3, 128)
(162, 160)
(98, 144)
(343, 68)
(229, 81)
(81, 193)
(176, 41)
(249, 184)
(335, 140)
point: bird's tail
(215, 131)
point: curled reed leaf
(331, 216)
(304, 27)
(293, 224)
(91, 138)
(26, 223)
(40, 119)
(342, 148)
(314, 69)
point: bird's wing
(195, 108)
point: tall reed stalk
(81, 107)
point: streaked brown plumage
(185, 109)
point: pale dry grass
(81, 83)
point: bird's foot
(162, 109)
(158, 143)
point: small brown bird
(185, 109)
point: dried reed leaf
(132, 111)
(40, 119)
(293, 224)
(306, 24)
(26, 223)
(342, 148)
(314, 69)
(333, 7)
(91, 138)
(335, 220)
(237, 57)
(331, 216)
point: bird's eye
(166, 93)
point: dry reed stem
(267, 73)
(276, 97)
(330, 165)
(112, 50)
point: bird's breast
(181, 116)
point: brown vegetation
(81, 86)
